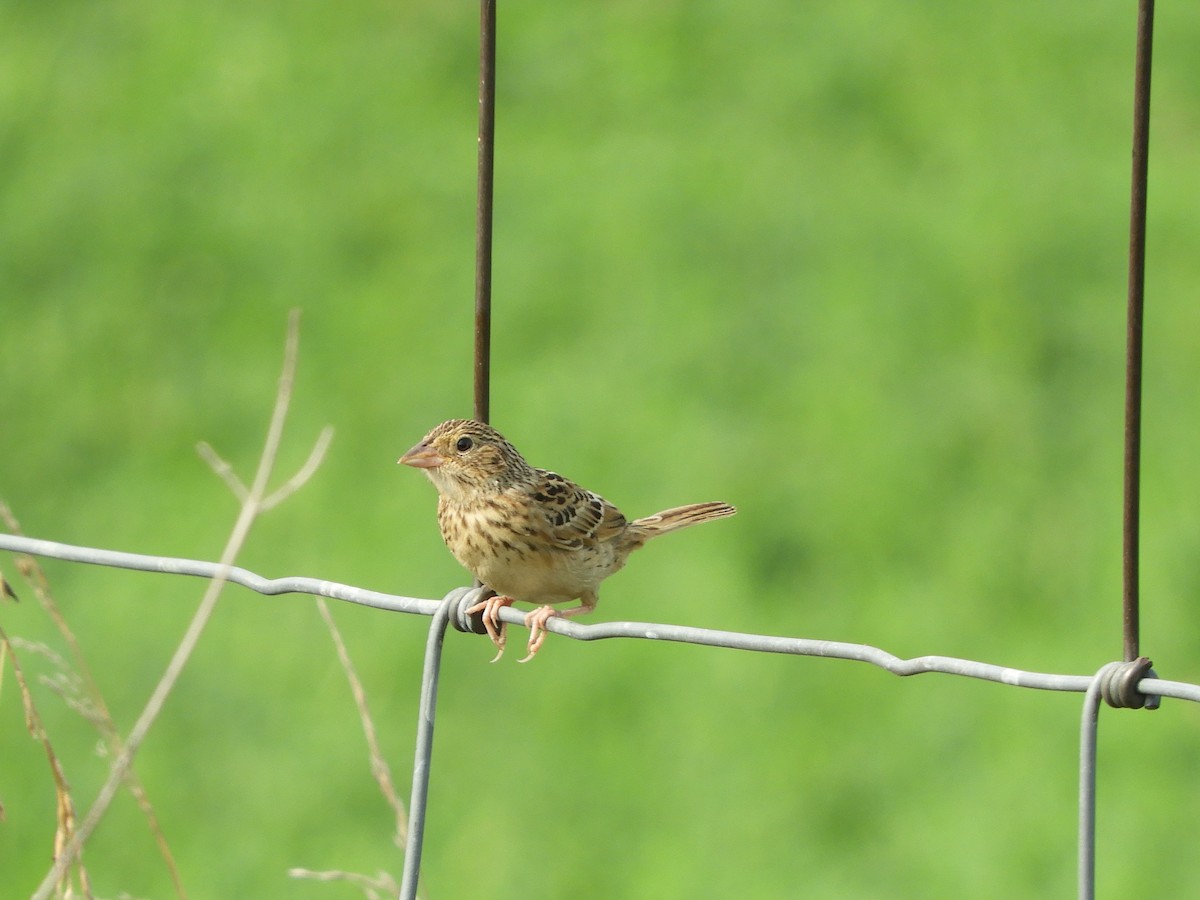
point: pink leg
(536, 623)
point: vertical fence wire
(1130, 601)
(1133, 341)
(483, 208)
(1087, 791)
(423, 754)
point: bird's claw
(536, 623)
(496, 629)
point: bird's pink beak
(422, 456)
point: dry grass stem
(379, 767)
(81, 692)
(65, 808)
(382, 885)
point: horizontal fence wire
(684, 634)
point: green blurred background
(858, 268)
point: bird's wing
(574, 516)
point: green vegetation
(858, 268)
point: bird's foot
(496, 629)
(536, 623)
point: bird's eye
(464, 444)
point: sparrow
(528, 534)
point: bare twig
(224, 470)
(315, 457)
(250, 509)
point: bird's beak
(422, 456)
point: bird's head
(462, 455)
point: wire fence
(1120, 684)
(1126, 683)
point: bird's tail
(682, 517)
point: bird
(528, 534)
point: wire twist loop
(464, 598)
(1119, 684)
